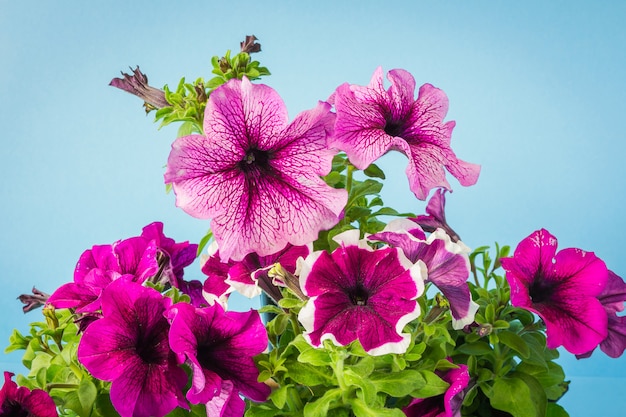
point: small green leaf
(433, 386)
(374, 171)
(317, 357)
(476, 348)
(319, 408)
(518, 394)
(361, 409)
(515, 342)
(279, 396)
(309, 375)
(398, 384)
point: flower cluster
(364, 316)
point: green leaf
(87, 393)
(362, 189)
(515, 342)
(279, 396)
(555, 410)
(374, 171)
(476, 348)
(261, 410)
(361, 409)
(398, 384)
(519, 394)
(319, 408)
(433, 386)
(316, 357)
(356, 212)
(17, 342)
(309, 375)
(367, 389)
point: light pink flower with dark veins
(372, 121)
(256, 175)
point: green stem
(349, 175)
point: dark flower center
(540, 290)
(152, 346)
(394, 127)
(13, 409)
(255, 159)
(358, 295)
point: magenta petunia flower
(21, 401)
(134, 258)
(562, 288)
(129, 347)
(447, 264)
(358, 293)
(256, 175)
(447, 404)
(250, 275)
(372, 121)
(219, 346)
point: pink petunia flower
(21, 401)
(256, 175)
(444, 405)
(562, 288)
(129, 347)
(219, 346)
(250, 275)
(372, 121)
(447, 264)
(358, 293)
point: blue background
(537, 91)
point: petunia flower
(562, 288)
(372, 121)
(447, 264)
(256, 175)
(137, 85)
(176, 255)
(447, 404)
(436, 215)
(250, 275)
(21, 401)
(34, 300)
(129, 347)
(358, 293)
(134, 259)
(219, 346)
(612, 299)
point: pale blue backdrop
(537, 91)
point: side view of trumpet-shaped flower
(256, 175)
(358, 293)
(372, 121)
